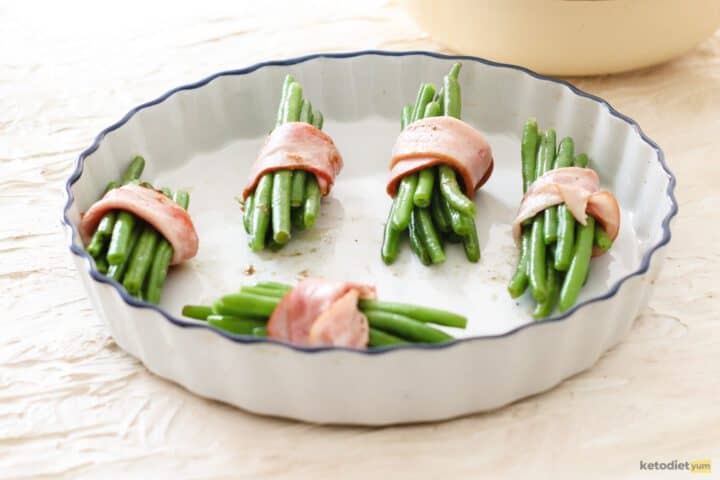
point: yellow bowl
(573, 37)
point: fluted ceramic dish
(203, 137)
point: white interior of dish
(204, 139)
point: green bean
(566, 238)
(440, 99)
(602, 239)
(425, 96)
(259, 332)
(428, 235)
(305, 112)
(293, 106)
(297, 195)
(416, 312)
(119, 246)
(163, 255)
(566, 222)
(198, 312)
(237, 325)
(182, 198)
(102, 234)
(274, 246)
(248, 212)
(282, 183)
(454, 218)
(134, 170)
(536, 261)
(405, 327)
(318, 119)
(471, 243)
(158, 271)
(452, 102)
(551, 225)
(275, 285)
(378, 338)
(458, 222)
(433, 109)
(246, 305)
(455, 70)
(141, 260)
(545, 308)
(289, 80)
(439, 219)
(263, 291)
(528, 152)
(547, 155)
(519, 282)
(405, 116)
(451, 191)
(529, 243)
(404, 201)
(581, 160)
(579, 267)
(565, 155)
(391, 239)
(424, 189)
(416, 241)
(298, 217)
(312, 201)
(116, 272)
(261, 213)
(101, 264)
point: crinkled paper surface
(73, 405)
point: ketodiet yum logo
(693, 466)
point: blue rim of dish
(99, 277)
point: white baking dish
(204, 136)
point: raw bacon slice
(604, 207)
(297, 146)
(342, 325)
(579, 189)
(168, 218)
(322, 312)
(441, 140)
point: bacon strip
(322, 312)
(168, 218)
(297, 146)
(441, 140)
(579, 189)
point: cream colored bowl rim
(243, 339)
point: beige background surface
(72, 404)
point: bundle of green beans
(284, 198)
(555, 249)
(247, 312)
(131, 251)
(430, 204)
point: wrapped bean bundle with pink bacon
(564, 220)
(319, 312)
(296, 166)
(135, 233)
(438, 162)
